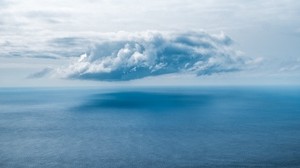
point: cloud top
(126, 56)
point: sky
(159, 42)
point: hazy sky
(38, 36)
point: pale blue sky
(39, 34)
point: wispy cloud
(4, 3)
(128, 56)
(68, 41)
(52, 48)
(40, 74)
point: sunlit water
(150, 127)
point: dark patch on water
(145, 101)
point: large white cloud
(128, 56)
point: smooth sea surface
(157, 127)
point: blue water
(150, 127)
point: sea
(150, 127)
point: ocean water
(150, 127)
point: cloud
(52, 17)
(48, 48)
(40, 74)
(291, 66)
(67, 41)
(127, 56)
(4, 3)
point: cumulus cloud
(126, 56)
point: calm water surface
(150, 127)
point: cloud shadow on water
(144, 101)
